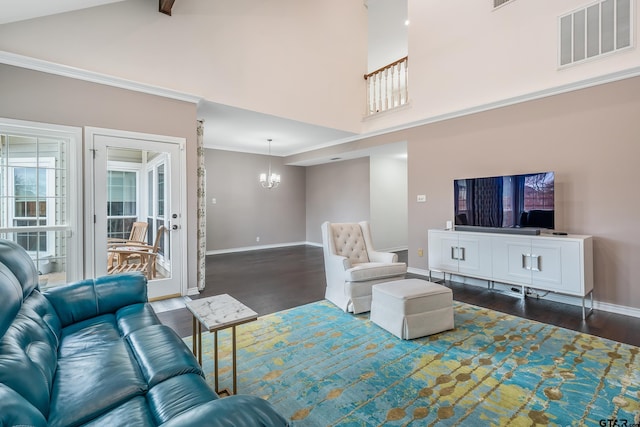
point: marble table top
(220, 311)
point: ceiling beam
(164, 6)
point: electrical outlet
(258, 239)
(421, 198)
(420, 252)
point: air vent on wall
(498, 3)
(595, 30)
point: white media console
(562, 264)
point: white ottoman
(412, 308)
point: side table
(216, 313)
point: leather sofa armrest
(375, 256)
(236, 411)
(15, 410)
(93, 297)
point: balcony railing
(387, 87)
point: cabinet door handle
(536, 265)
(525, 264)
(462, 254)
(454, 254)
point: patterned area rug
(322, 367)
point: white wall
(244, 211)
(302, 60)
(388, 34)
(336, 192)
(388, 198)
(464, 54)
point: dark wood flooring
(272, 280)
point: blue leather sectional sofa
(94, 353)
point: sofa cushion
(134, 317)
(374, 270)
(38, 308)
(177, 395)
(18, 261)
(28, 356)
(161, 354)
(79, 337)
(93, 297)
(11, 297)
(97, 372)
(233, 411)
(134, 412)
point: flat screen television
(505, 202)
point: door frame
(89, 136)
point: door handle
(536, 265)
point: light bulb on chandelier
(269, 180)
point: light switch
(422, 198)
(214, 201)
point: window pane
(623, 29)
(607, 25)
(161, 190)
(579, 37)
(122, 206)
(566, 42)
(150, 191)
(593, 30)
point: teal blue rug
(322, 367)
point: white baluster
(367, 87)
(395, 82)
(386, 88)
(406, 80)
(375, 93)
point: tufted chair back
(349, 242)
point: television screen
(512, 201)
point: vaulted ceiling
(227, 127)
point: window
(36, 208)
(597, 29)
(122, 202)
(31, 207)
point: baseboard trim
(395, 249)
(285, 245)
(552, 296)
(193, 291)
(258, 248)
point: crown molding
(93, 77)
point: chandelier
(269, 180)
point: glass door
(137, 206)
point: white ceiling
(226, 128)
(235, 129)
(19, 10)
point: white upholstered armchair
(352, 266)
